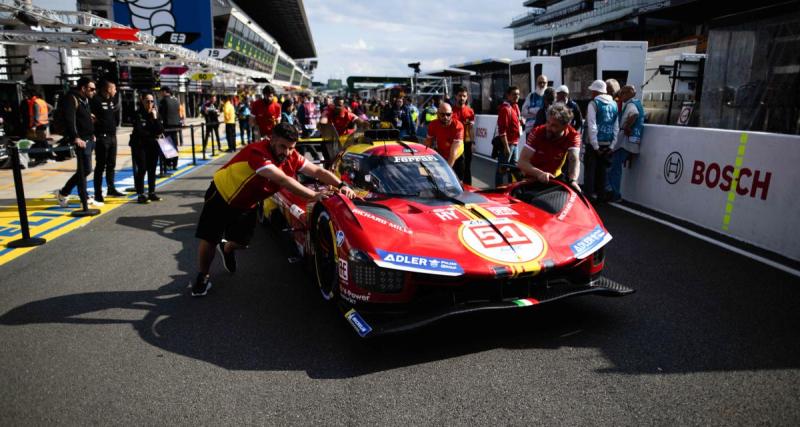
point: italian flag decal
(525, 302)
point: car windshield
(411, 175)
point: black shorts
(218, 220)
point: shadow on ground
(269, 316)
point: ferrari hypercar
(416, 246)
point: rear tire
(325, 258)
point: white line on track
(723, 245)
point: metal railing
(599, 15)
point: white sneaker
(92, 202)
(63, 201)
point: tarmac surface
(97, 328)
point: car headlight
(366, 275)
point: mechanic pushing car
(228, 218)
(550, 145)
(341, 117)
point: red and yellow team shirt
(445, 135)
(239, 183)
(549, 155)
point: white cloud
(359, 45)
(360, 37)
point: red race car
(417, 247)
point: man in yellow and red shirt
(550, 145)
(266, 112)
(464, 114)
(255, 173)
(449, 137)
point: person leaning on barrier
(628, 140)
(228, 218)
(169, 110)
(147, 129)
(549, 146)
(602, 127)
(105, 110)
(79, 130)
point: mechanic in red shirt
(508, 130)
(550, 145)
(464, 114)
(449, 137)
(266, 112)
(341, 118)
(255, 173)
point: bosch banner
(738, 183)
(181, 18)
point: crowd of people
(555, 131)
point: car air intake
(550, 200)
(376, 279)
(380, 211)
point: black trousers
(212, 131)
(105, 156)
(246, 131)
(145, 157)
(467, 162)
(230, 135)
(84, 158)
(594, 172)
(458, 168)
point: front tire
(325, 257)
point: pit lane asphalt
(97, 328)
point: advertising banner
(164, 16)
(485, 125)
(738, 183)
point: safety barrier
(738, 183)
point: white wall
(764, 207)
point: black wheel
(325, 258)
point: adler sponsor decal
(588, 243)
(418, 263)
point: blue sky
(378, 38)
